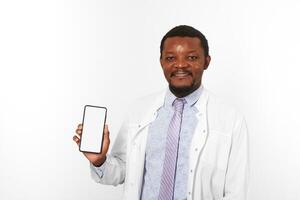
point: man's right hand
(95, 158)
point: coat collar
(158, 102)
(191, 99)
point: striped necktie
(166, 191)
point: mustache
(181, 71)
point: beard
(179, 90)
(184, 90)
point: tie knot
(178, 104)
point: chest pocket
(136, 152)
(216, 150)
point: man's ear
(207, 61)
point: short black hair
(185, 31)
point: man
(182, 143)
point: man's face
(183, 62)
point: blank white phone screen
(93, 126)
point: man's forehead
(180, 44)
(180, 41)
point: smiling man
(182, 143)
(183, 61)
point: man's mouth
(180, 74)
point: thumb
(106, 140)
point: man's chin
(181, 89)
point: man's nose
(181, 63)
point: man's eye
(170, 58)
(192, 57)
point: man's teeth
(181, 74)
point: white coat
(218, 158)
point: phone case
(83, 120)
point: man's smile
(180, 74)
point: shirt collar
(191, 99)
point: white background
(57, 56)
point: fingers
(79, 129)
(76, 139)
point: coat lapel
(150, 114)
(199, 138)
(139, 140)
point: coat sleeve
(112, 172)
(236, 182)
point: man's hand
(95, 158)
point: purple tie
(166, 191)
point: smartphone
(93, 122)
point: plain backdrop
(57, 56)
